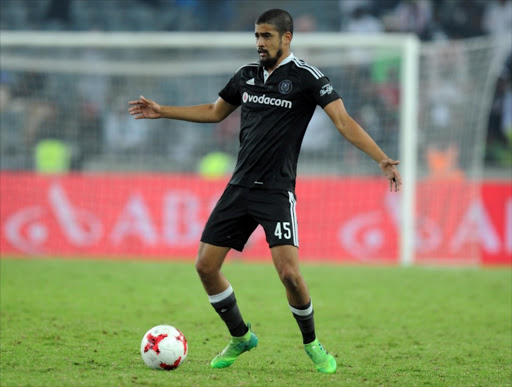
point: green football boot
(235, 348)
(324, 362)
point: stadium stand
(429, 19)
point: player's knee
(202, 267)
(209, 260)
(290, 279)
(205, 268)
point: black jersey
(274, 118)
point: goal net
(80, 176)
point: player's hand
(145, 108)
(389, 169)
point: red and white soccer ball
(164, 348)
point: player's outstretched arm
(354, 133)
(213, 112)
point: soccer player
(277, 96)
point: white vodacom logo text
(264, 100)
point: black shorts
(239, 211)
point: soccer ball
(164, 348)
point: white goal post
(180, 55)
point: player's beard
(270, 61)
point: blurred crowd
(430, 20)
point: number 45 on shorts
(283, 230)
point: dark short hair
(279, 18)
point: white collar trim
(286, 60)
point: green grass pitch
(80, 322)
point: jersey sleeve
(321, 90)
(231, 92)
